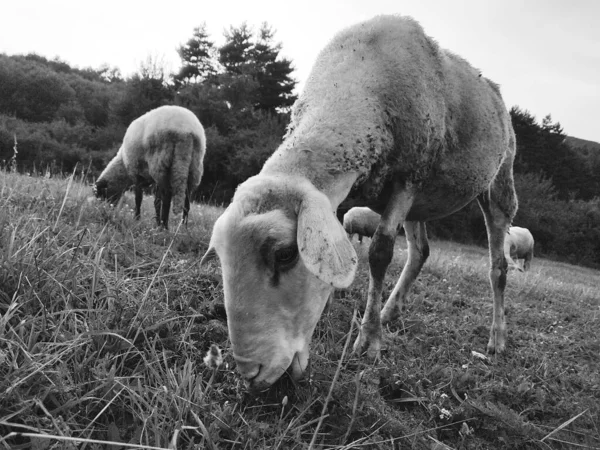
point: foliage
(146, 90)
(57, 147)
(541, 148)
(198, 58)
(259, 59)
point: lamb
(518, 244)
(389, 120)
(361, 221)
(164, 147)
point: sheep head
(106, 191)
(282, 251)
(113, 181)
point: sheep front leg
(497, 224)
(418, 251)
(381, 252)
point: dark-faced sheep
(388, 120)
(164, 147)
(518, 244)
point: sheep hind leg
(418, 252)
(381, 251)
(139, 195)
(165, 208)
(497, 223)
(157, 204)
(186, 207)
(527, 261)
(187, 203)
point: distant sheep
(388, 120)
(361, 221)
(518, 244)
(164, 147)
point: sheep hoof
(389, 314)
(496, 344)
(368, 345)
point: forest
(57, 119)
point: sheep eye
(285, 257)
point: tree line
(59, 117)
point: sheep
(518, 244)
(388, 120)
(164, 147)
(361, 221)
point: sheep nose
(247, 367)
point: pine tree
(235, 54)
(260, 59)
(199, 58)
(272, 73)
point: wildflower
(445, 414)
(465, 430)
(444, 395)
(284, 401)
(213, 358)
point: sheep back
(385, 104)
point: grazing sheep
(388, 120)
(361, 221)
(518, 244)
(164, 147)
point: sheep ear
(324, 247)
(210, 255)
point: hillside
(105, 323)
(574, 142)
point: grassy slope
(105, 322)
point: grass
(105, 322)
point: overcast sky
(545, 54)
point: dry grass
(105, 321)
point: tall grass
(105, 322)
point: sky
(545, 54)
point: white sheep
(164, 147)
(362, 221)
(393, 122)
(518, 244)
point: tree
(260, 59)
(146, 90)
(235, 54)
(199, 57)
(541, 149)
(272, 73)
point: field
(105, 323)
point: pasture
(105, 322)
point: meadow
(105, 323)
